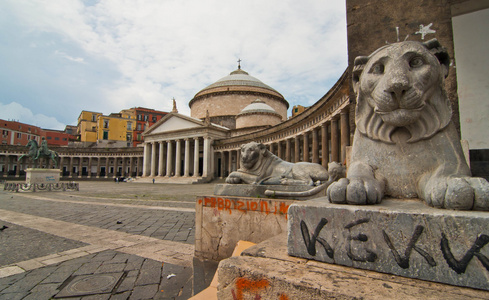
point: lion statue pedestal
(407, 150)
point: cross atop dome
(239, 63)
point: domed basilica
(237, 109)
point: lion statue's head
(252, 154)
(400, 86)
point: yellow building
(87, 126)
(115, 130)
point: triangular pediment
(174, 122)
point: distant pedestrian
(153, 181)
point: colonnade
(180, 157)
(325, 142)
(76, 166)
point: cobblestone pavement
(107, 241)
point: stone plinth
(253, 190)
(221, 221)
(265, 271)
(401, 237)
(42, 175)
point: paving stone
(88, 268)
(13, 296)
(111, 268)
(127, 284)
(57, 277)
(97, 297)
(24, 285)
(150, 272)
(175, 285)
(144, 292)
(121, 296)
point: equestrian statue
(36, 152)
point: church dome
(258, 106)
(228, 96)
(238, 77)
(257, 114)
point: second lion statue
(405, 145)
(260, 166)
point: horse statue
(36, 152)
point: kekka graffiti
(402, 259)
(243, 205)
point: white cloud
(174, 48)
(15, 111)
(68, 57)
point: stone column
(186, 169)
(115, 166)
(279, 150)
(161, 160)
(107, 167)
(207, 156)
(17, 170)
(196, 157)
(288, 150)
(98, 166)
(345, 134)
(89, 168)
(178, 159)
(146, 160)
(131, 166)
(169, 158)
(305, 153)
(230, 162)
(153, 159)
(238, 159)
(334, 141)
(297, 149)
(324, 145)
(315, 146)
(271, 148)
(124, 166)
(80, 167)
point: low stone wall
(221, 221)
(401, 237)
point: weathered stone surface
(221, 221)
(402, 237)
(42, 175)
(253, 190)
(265, 271)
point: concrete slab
(221, 221)
(265, 271)
(401, 237)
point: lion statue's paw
(464, 193)
(356, 190)
(232, 179)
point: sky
(59, 57)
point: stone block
(253, 190)
(401, 237)
(265, 271)
(222, 221)
(42, 175)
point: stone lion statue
(405, 145)
(260, 166)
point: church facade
(238, 109)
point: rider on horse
(43, 150)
